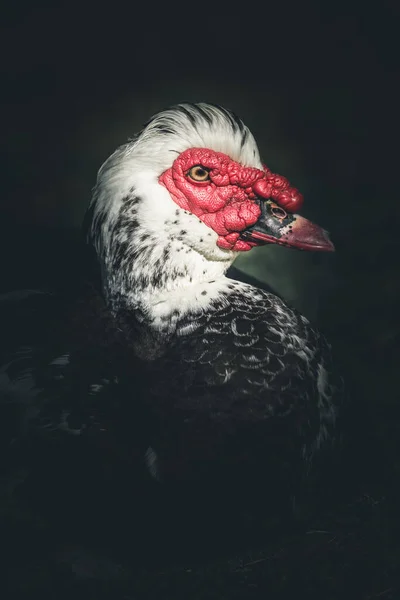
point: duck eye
(199, 173)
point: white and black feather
(216, 368)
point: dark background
(317, 85)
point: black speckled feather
(239, 380)
(165, 361)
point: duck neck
(162, 283)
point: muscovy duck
(216, 378)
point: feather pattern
(221, 373)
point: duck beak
(276, 226)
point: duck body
(249, 376)
(165, 360)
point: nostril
(278, 212)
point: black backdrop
(316, 84)
(318, 88)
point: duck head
(175, 205)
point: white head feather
(127, 184)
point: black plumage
(233, 392)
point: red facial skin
(227, 201)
